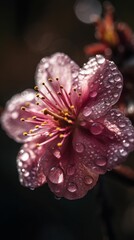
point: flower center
(53, 115)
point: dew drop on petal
(125, 144)
(93, 94)
(123, 153)
(70, 170)
(96, 128)
(88, 180)
(14, 115)
(79, 147)
(24, 157)
(72, 187)
(87, 111)
(100, 59)
(101, 162)
(57, 154)
(56, 175)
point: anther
(37, 94)
(61, 136)
(37, 103)
(57, 79)
(50, 134)
(30, 131)
(22, 119)
(36, 88)
(72, 106)
(37, 126)
(27, 104)
(25, 133)
(59, 144)
(50, 79)
(23, 108)
(37, 144)
(34, 117)
(61, 86)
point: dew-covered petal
(28, 162)
(68, 174)
(58, 66)
(100, 84)
(123, 140)
(13, 118)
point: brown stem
(125, 171)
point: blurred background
(29, 30)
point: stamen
(23, 108)
(25, 133)
(22, 119)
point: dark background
(29, 30)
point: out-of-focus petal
(68, 173)
(100, 83)
(30, 170)
(58, 66)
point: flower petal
(12, 114)
(58, 66)
(68, 174)
(101, 83)
(123, 142)
(107, 140)
(30, 170)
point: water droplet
(126, 144)
(101, 162)
(93, 94)
(72, 187)
(123, 153)
(96, 128)
(88, 180)
(70, 170)
(116, 95)
(111, 80)
(56, 175)
(26, 174)
(57, 154)
(122, 125)
(119, 85)
(131, 140)
(24, 156)
(100, 59)
(79, 147)
(87, 112)
(14, 115)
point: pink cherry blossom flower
(69, 131)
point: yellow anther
(45, 111)
(42, 98)
(23, 108)
(36, 88)
(22, 119)
(65, 118)
(37, 144)
(37, 94)
(72, 106)
(25, 133)
(58, 129)
(59, 144)
(61, 136)
(37, 126)
(50, 134)
(70, 121)
(27, 104)
(43, 83)
(66, 114)
(30, 131)
(50, 79)
(34, 117)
